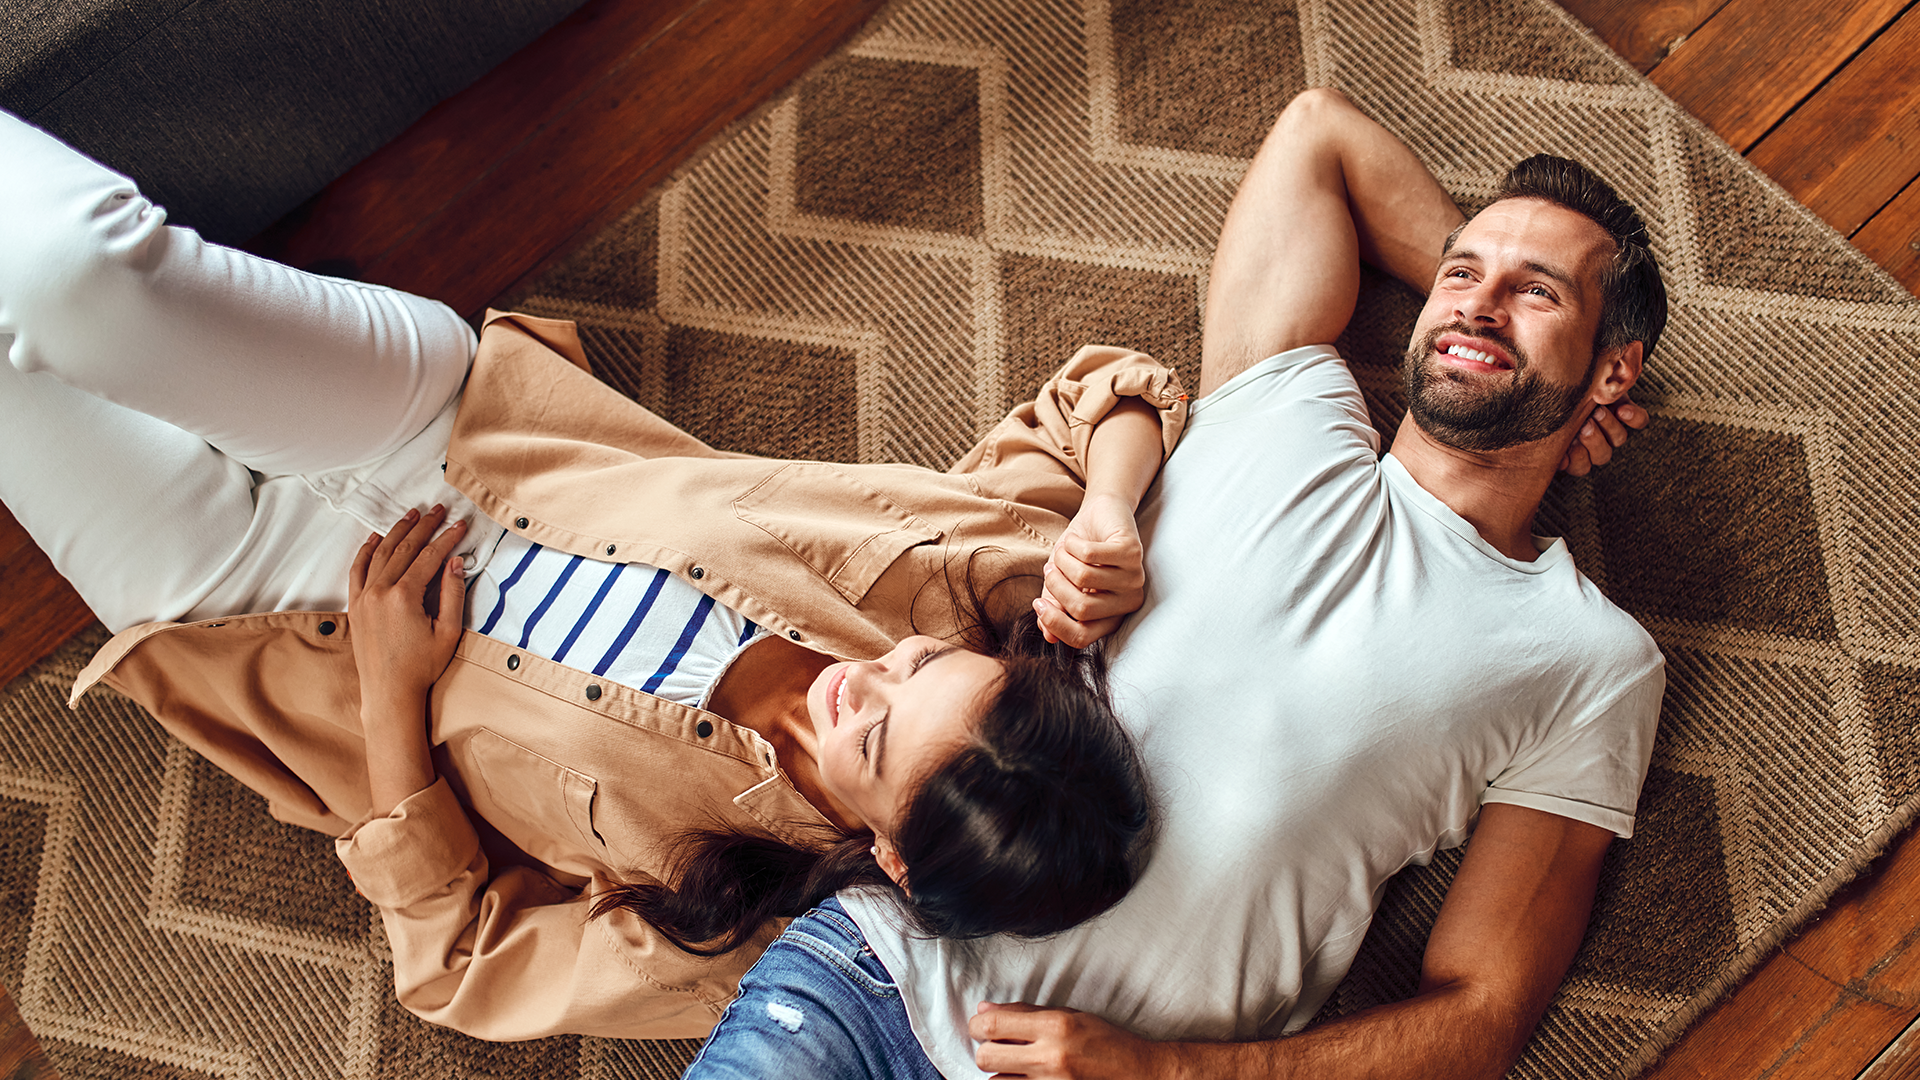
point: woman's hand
(1096, 574)
(399, 646)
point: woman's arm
(1096, 574)
(1105, 421)
(506, 953)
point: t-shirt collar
(1553, 549)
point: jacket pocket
(845, 531)
(543, 807)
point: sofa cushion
(231, 112)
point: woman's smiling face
(883, 723)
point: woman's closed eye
(926, 656)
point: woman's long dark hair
(1034, 826)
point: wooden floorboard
(1892, 237)
(365, 215)
(1901, 1061)
(1848, 151)
(547, 184)
(1753, 61)
(38, 609)
(20, 1055)
(1642, 32)
(1832, 1000)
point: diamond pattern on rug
(1752, 239)
(1051, 307)
(1663, 893)
(242, 864)
(919, 123)
(1204, 76)
(1892, 699)
(782, 399)
(1513, 37)
(408, 1046)
(23, 837)
(77, 1062)
(1716, 524)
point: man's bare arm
(1328, 188)
(1507, 932)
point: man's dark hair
(1633, 299)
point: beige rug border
(1734, 974)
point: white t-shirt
(1331, 672)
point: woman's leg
(178, 344)
(818, 1003)
(141, 516)
(284, 371)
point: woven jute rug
(877, 264)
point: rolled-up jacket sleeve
(512, 955)
(1054, 430)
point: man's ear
(1615, 372)
(891, 863)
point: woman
(191, 433)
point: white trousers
(190, 431)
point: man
(1343, 664)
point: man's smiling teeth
(1470, 354)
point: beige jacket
(555, 782)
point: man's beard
(1450, 409)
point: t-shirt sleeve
(1592, 770)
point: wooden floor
(1824, 97)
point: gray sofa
(231, 112)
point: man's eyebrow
(1564, 279)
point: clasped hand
(1059, 1044)
(1095, 576)
(400, 645)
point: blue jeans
(818, 1004)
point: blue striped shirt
(635, 624)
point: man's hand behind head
(1603, 433)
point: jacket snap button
(704, 728)
(519, 523)
(513, 662)
(326, 628)
(593, 693)
(698, 573)
(609, 549)
(794, 634)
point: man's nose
(1483, 305)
